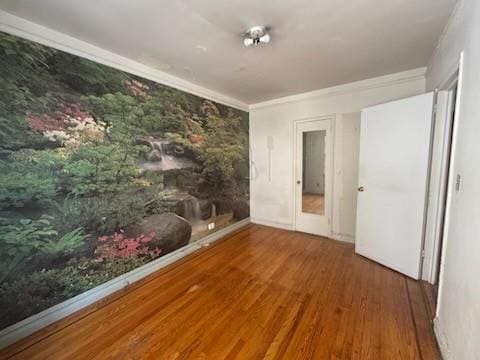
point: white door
(313, 190)
(393, 174)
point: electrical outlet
(211, 226)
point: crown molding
(362, 85)
(28, 30)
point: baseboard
(441, 340)
(335, 236)
(57, 312)
(270, 223)
(343, 237)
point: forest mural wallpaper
(102, 172)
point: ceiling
(315, 43)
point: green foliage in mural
(68, 243)
(25, 183)
(30, 294)
(91, 159)
(24, 75)
(225, 146)
(100, 169)
(101, 214)
(83, 76)
(15, 134)
(21, 241)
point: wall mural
(101, 172)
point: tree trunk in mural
(101, 172)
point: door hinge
(423, 254)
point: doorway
(441, 181)
(313, 176)
(448, 157)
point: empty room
(198, 179)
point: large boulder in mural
(241, 209)
(171, 231)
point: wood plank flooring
(261, 293)
(313, 203)
(430, 295)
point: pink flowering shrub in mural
(45, 122)
(68, 125)
(120, 246)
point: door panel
(313, 177)
(393, 172)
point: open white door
(393, 174)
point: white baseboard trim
(334, 236)
(343, 237)
(57, 312)
(441, 340)
(270, 223)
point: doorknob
(299, 182)
(361, 189)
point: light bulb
(248, 42)
(265, 39)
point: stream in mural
(101, 172)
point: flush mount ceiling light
(256, 35)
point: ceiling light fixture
(256, 35)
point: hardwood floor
(261, 293)
(313, 203)
(430, 296)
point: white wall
(458, 317)
(346, 150)
(272, 201)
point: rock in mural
(170, 231)
(241, 210)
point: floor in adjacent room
(313, 203)
(261, 293)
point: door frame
(330, 165)
(458, 71)
(434, 253)
(438, 183)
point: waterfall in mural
(192, 209)
(102, 172)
